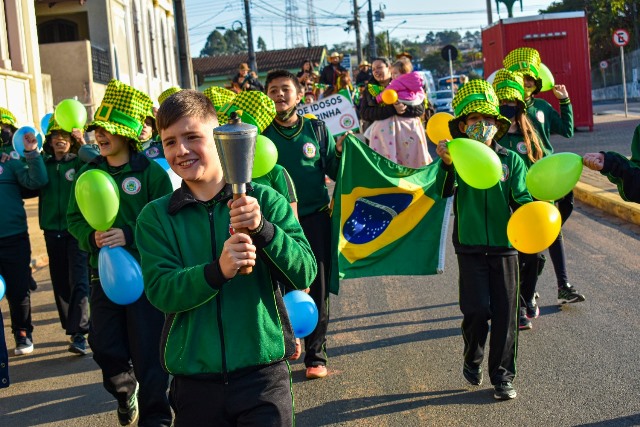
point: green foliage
(262, 46)
(231, 42)
(604, 16)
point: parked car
(429, 85)
(443, 100)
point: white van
(429, 85)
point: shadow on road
(366, 407)
(630, 420)
(395, 324)
(384, 313)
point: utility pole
(489, 13)
(252, 55)
(356, 25)
(184, 57)
(373, 50)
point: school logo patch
(540, 116)
(152, 152)
(309, 150)
(14, 155)
(521, 147)
(505, 173)
(70, 174)
(1, 169)
(346, 121)
(131, 185)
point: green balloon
(265, 158)
(554, 176)
(476, 163)
(548, 82)
(98, 198)
(71, 114)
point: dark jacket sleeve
(562, 124)
(371, 111)
(628, 174)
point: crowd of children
(235, 368)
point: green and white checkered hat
(253, 107)
(509, 86)
(477, 96)
(122, 111)
(167, 93)
(7, 118)
(525, 60)
(219, 96)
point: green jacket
(623, 172)
(278, 179)
(546, 120)
(216, 326)
(139, 181)
(481, 216)
(300, 154)
(54, 197)
(153, 149)
(14, 175)
(515, 143)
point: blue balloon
(18, 138)
(303, 313)
(44, 122)
(120, 275)
(3, 287)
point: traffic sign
(604, 64)
(620, 37)
(449, 49)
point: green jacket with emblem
(139, 182)
(302, 156)
(217, 327)
(54, 197)
(546, 120)
(481, 216)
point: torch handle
(247, 269)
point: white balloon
(492, 77)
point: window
(57, 31)
(4, 41)
(101, 64)
(164, 53)
(136, 36)
(152, 44)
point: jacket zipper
(225, 375)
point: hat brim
(113, 128)
(510, 94)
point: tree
(236, 41)
(262, 46)
(215, 44)
(603, 16)
(448, 37)
(430, 38)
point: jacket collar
(183, 197)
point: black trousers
(262, 398)
(69, 270)
(15, 259)
(317, 230)
(530, 266)
(556, 250)
(489, 291)
(125, 340)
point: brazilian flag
(387, 219)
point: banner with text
(336, 111)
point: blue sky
(421, 16)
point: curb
(607, 202)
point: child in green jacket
(68, 265)
(488, 264)
(125, 340)
(227, 336)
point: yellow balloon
(389, 96)
(438, 127)
(310, 116)
(534, 227)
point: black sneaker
(78, 345)
(504, 391)
(128, 412)
(473, 376)
(24, 345)
(568, 294)
(533, 311)
(524, 322)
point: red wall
(563, 43)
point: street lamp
(389, 40)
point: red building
(563, 42)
